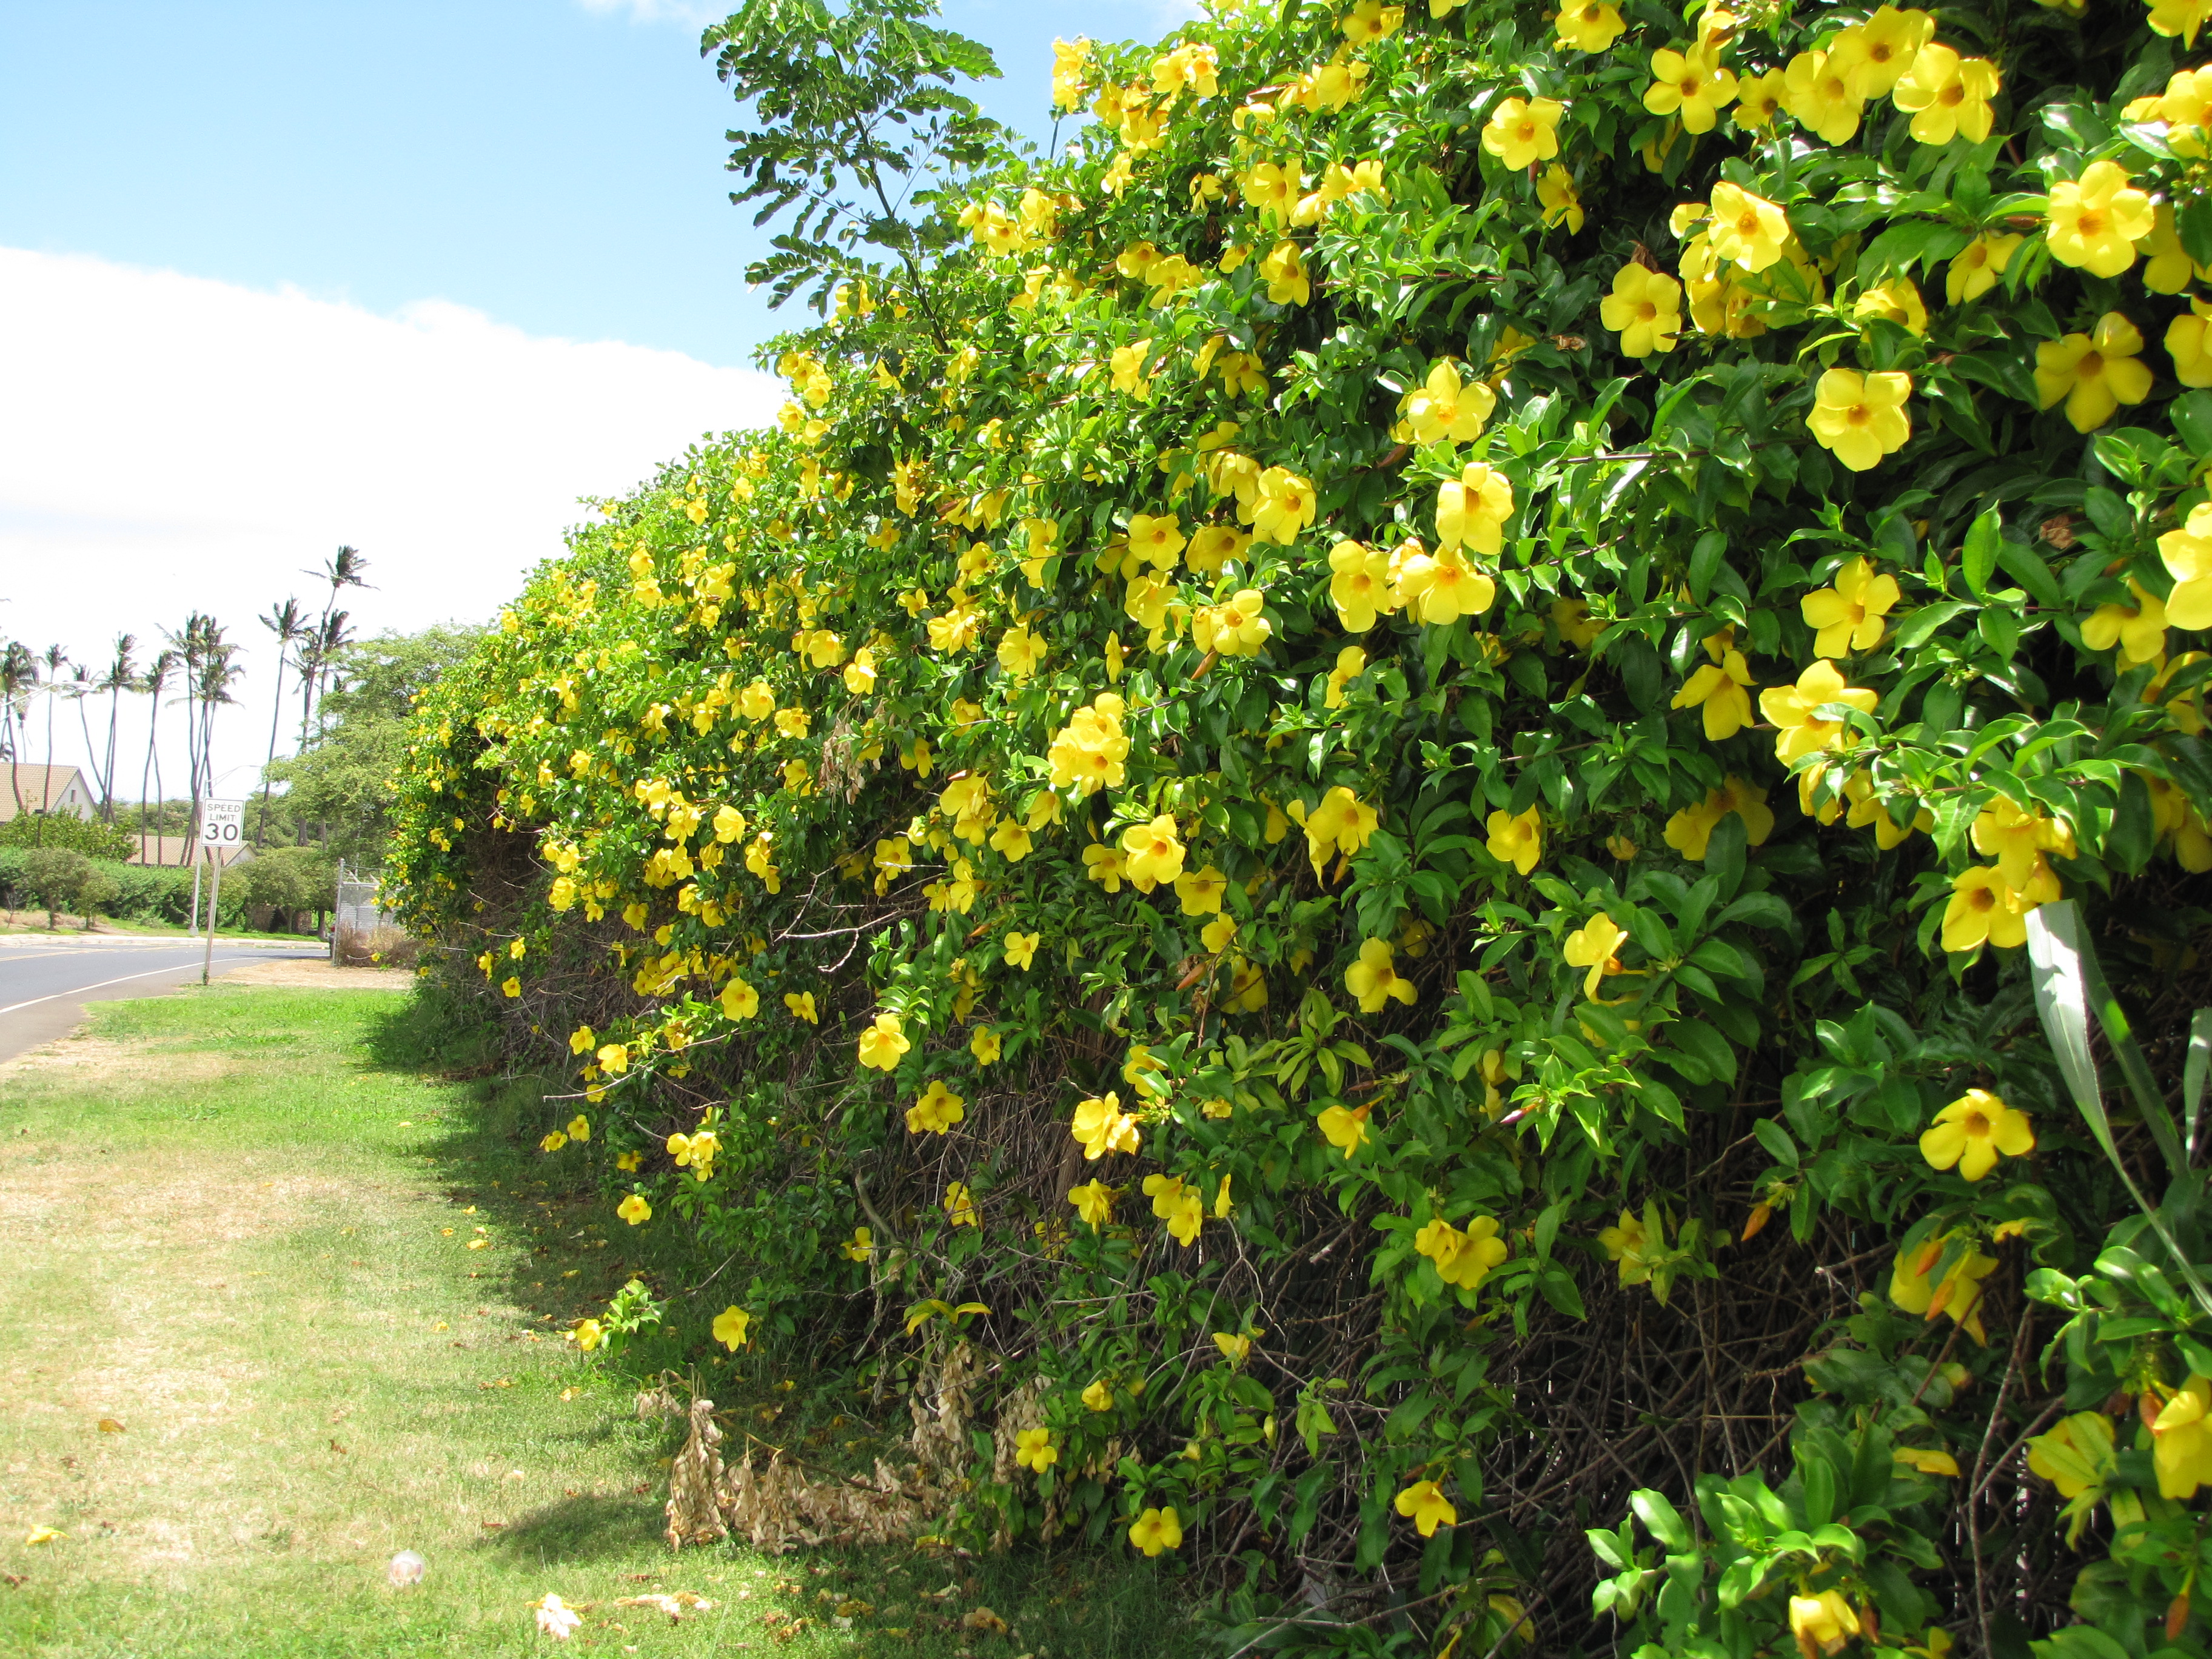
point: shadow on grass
(587, 1528)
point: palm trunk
(276, 714)
(153, 727)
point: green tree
(343, 781)
(57, 876)
(289, 880)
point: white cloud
(175, 443)
(696, 14)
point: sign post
(221, 829)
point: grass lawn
(248, 1353)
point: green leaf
(1776, 1138)
(1662, 1520)
(1980, 556)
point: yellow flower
(1822, 1624)
(960, 1207)
(1156, 537)
(2181, 1441)
(634, 1209)
(1690, 85)
(1926, 1460)
(935, 1110)
(801, 1003)
(1760, 98)
(1021, 653)
(1746, 229)
(1103, 1126)
(730, 1326)
(1235, 1346)
(1515, 838)
(2094, 374)
(1021, 949)
(1284, 273)
(1345, 1127)
(1462, 1259)
(1444, 408)
(553, 1142)
(1792, 708)
(2018, 839)
(1877, 52)
(1972, 1130)
(2181, 17)
(1155, 854)
(1162, 1529)
(580, 1129)
(1424, 1504)
(1441, 589)
(1958, 1295)
(2095, 221)
(1033, 1449)
(1588, 25)
(1860, 417)
(1374, 981)
(1849, 615)
(1099, 1396)
(882, 1043)
(1592, 946)
(1946, 95)
(629, 1162)
(861, 1246)
(1896, 299)
(739, 1000)
(1722, 690)
(1644, 308)
(1523, 131)
(1105, 865)
(581, 1039)
(2187, 554)
(985, 1045)
(588, 1334)
(512, 988)
(43, 1535)
(1985, 908)
(2076, 1454)
(1093, 1201)
(1472, 509)
(2137, 628)
(1690, 831)
(1285, 506)
(1817, 91)
(1351, 664)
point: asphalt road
(44, 983)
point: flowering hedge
(1359, 783)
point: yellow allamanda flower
(2018, 839)
(1373, 982)
(1021, 949)
(2094, 374)
(882, 1043)
(1959, 1294)
(1463, 1259)
(1341, 824)
(1860, 417)
(2180, 17)
(1973, 1130)
(1690, 86)
(1973, 271)
(2138, 629)
(1848, 614)
(1760, 98)
(1877, 53)
(1946, 95)
(1517, 839)
(1437, 589)
(1523, 131)
(1561, 202)
(1690, 831)
(1722, 689)
(1106, 866)
(1370, 20)
(1284, 505)
(1424, 1504)
(1103, 1126)
(1747, 230)
(1896, 301)
(1200, 891)
(1284, 273)
(2095, 221)
(1633, 1242)
(1588, 25)
(960, 1208)
(1359, 585)
(1234, 628)
(1344, 1127)
(1592, 946)
(1162, 1529)
(1094, 1203)
(1644, 308)
(634, 1209)
(1034, 1451)
(1472, 509)
(1351, 664)
(1793, 709)
(1985, 909)
(2187, 554)
(1154, 852)
(1444, 408)
(1271, 189)
(935, 1110)
(1822, 1624)
(1817, 91)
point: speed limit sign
(223, 823)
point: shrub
(87, 835)
(1460, 646)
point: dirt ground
(315, 973)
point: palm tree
(56, 659)
(288, 623)
(19, 674)
(82, 687)
(156, 680)
(341, 573)
(122, 676)
(191, 643)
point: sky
(413, 276)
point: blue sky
(555, 164)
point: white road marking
(79, 990)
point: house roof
(179, 850)
(44, 788)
